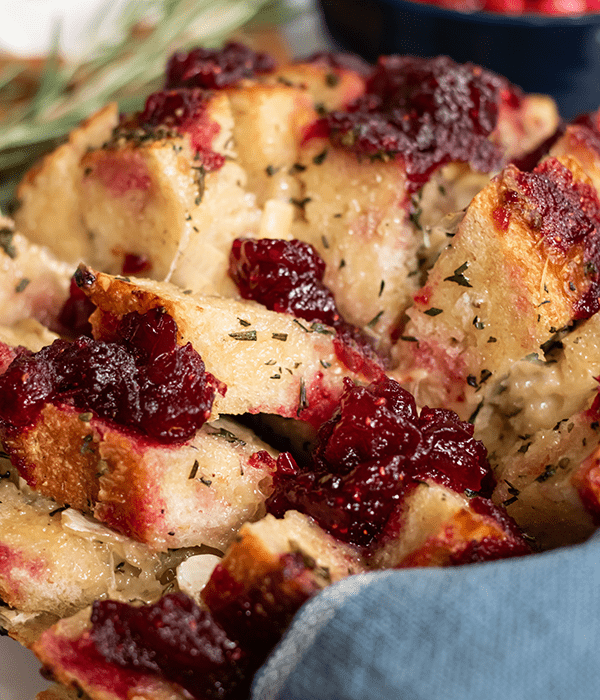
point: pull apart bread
(361, 258)
(285, 152)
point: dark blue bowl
(558, 56)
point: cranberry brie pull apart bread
(378, 469)
(354, 159)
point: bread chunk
(270, 362)
(440, 527)
(465, 333)
(50, 211)
(33, 282)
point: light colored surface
(19, 672)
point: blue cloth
(520, 629)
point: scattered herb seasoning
(194, 470)
(271, 170)
(331, 80)
(86, 417)
(546, 301)
(86, 447)
(342, 263)
(244, 323)
(478, 323)
(243, 335)
(381, 287)
(325, 241)
(484, 376)
(337, 216)
(22, 285)
(433, 312)
(475, 413)
(512, 489)
(509, 501)
(304, 328)
(409, 338)
(442, 190)
(491, 339)
(279, 336)
(320, 157)
(472, 380)
(228, 436)
(302, 400)
(317, 327)
(187, 291)
(375, 320)
(205, 481)
(270, 362)
(459, 277)
(297, 168)
(285, 81)
(6, 242)
(548, 472)
(325, 364)
(301, 203)
(275, 376)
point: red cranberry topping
(175, 639)
(426, 111)
(135, 264)
(566, 213)
(145, 381)
(74, 315)
(287, 276)
(216, 68)
(370, 453)
(185, 111)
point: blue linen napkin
(520, 629)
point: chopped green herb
(302, 400)
(472, 380)
(475, 413)
(271, 170)
(86, 417)
(375, 320)
(6, 242)
(228, 436)
(433, 312)
(194, 470)
(331, 80)
(512, 489)
(325, 241)
(22, 286)
(279, 336)
(304, 328)
(381, 287)
(321, 328)
(478, 323)
(205, 481)
(409, 338)
(459, 277)
(275, 376)
(325, 364)
(301, 203)
(491, 339)
(320, 157)
(548, 472)
(243, 335)
(484, 376)
(244, 323)
(297, 168)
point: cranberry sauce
(144, 381)
(175, 639)
(566, 214)
(212, 69)
(185, 112)
(374, 449)
(426, 111)
(287, 276)
(73, 319)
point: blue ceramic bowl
(559, 56)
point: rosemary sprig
(126, 71)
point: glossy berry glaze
(370, 454)
(173, 638)
(213, 69)
(427, 112)
(73, 319)
(143, 381)
(287, 276)
(565, 213)
(183, 111)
